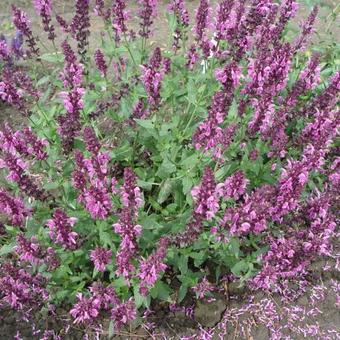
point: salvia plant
(148, 172)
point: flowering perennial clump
(144, 170)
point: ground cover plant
(147, 175)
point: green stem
(128, 48)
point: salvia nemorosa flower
(91, 178)
(119, 18)
(25, 83)
(233, 187)
(62, 23)
(9, 93)
(91, 140)
(224, 19)
(16, 44)
(129, 232)
(99, 9)
(251, 215)
(127, 226)
(291, 183)
(206, 205)
(101, 257)
(306, 29)
(104, 295)
(23, 142)
(203, 288)
(44, 9)
(4, 50)
(85, 310)
(80, 27)
(13, 208)
(152, 76)
(29, 250)
(17, 168)
(275, 122)
(182, 21)
(22, 23)
(287, 11)
(72, 75)
(100, 62)
(325, 100)
(192, 57)
(123, 313)
(203, 14)
(61, 229)
(20, 289)
(151, 267)
(147, 12)
(130, 192)
(209, 135)
(69, 123)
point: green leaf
(161, 291)
(165, 191)
(167, 168)
(183, 264)
(140, 300)
(182, 293)
(146, 123)
(111, 330)
(53, 57)
(240, 268)
(187, 183)
(144, 184)
(6, 249)
(51, 186)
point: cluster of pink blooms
(22, 24)
(127, 226)
(209, 135)
(101, 257)
(119, 17)
(233, 187)
(61, 229)
(87, 309)
(100, 62)
(23, 142)
(152, 75)
(80, 27)
(147, 12)
(13, 208)
(99, 9)
(44, 9)
(19, 289)
(151, 267)
(203, 20)
(91, 177)
(9, 93)
(203, 288)
(182, 21)
(69, 124)
(206, 205)
(10, 50)
(13, 147)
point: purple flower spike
(85, 310)
(147, 12)
(100, 62)
(101, 258)
(44, 9)
(123, 313)
(22, 24)
(61, 229)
